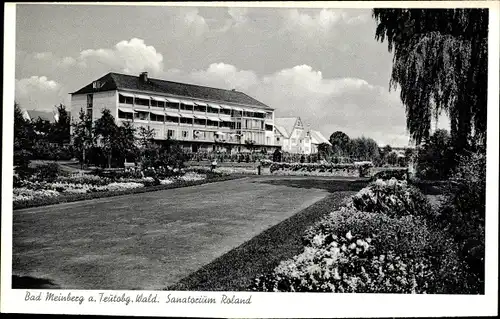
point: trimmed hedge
(78, 197)
(359, 170)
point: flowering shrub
(166, 181)
(192, 176)
(23, 194)
(121, 186)
(85, 179)
(394, 198)
(352, 251)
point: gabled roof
(116, 81)
(282, 130)
(44, 115)
(288, 123)
(318, 138)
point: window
(125, 115)
(269, 116)
(186, 121)
(199, 122)
(170, 134)
(172, 119)
(157, 118)
(157, 103)
(126, 99)
(225, 111)
(140, 101)
(212, 110)
(142, 116)
(294, 140)
(172, 105)
(90, 102)
(269, 127)
(186, 107)
(238, 125)
(212, 123)
(278, 139)
(90, 113)
(200, 108)
(185, 134)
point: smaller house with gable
(293, 137)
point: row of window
(197, 135)
(172, 119)
(197, 108)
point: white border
(271, 305)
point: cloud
(43, 55)
(132, 56)
(38, 92)
(225, 76)
(238, 18)
(194, 21)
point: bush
(463, 214)
(399, 174)
(352, 251)
(48, 172)
(393, 198)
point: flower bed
(390, 249)
(127, 190)
(318, 169)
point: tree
(250, 144)
(324, 150)
(61, 128)
(24, 137)
(363, 148)
(83, 136)
(340, 143)
(107, 132)
(435, 156)
(441, 64)
(124, 143)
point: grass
(236, 270)
(79, 197)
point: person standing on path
(214, 164)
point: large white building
(293, 137)
(200, 118)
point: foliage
(363, 148)
(352, 251)
(24, 136)
(83, 136)
(340, 143)
(61, 128)
(106, 131)
(393, 198)
(48, 172)
(463, 214)
(386, 174)
(441, 64)
(435, 157)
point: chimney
(143, 77)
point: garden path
(151, 240)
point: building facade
(199, 118)
(294, 138)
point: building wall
(250, 129)
(100, 101)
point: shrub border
(80, 197)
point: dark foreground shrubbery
(388, 239)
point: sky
(323, 65)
